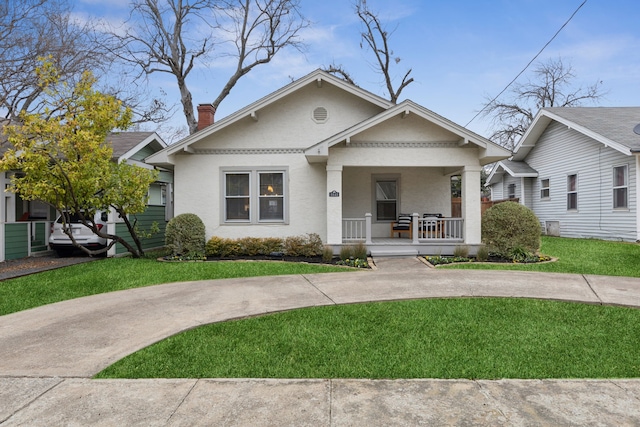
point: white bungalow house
(323, 156)
(578, 170)
(25, 225)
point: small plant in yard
(439, 259)
(346, 252)
(354, 256)
(327, 254)
(483, 254)
(461, 252)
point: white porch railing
(440, 229)
(354, 230)
(425, 230)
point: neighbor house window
(572, 192)
(544, 188)
(386, 199)
(254, 196)
(620, 187)
(511, 192)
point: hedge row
(309, 245)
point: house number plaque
(334, 193)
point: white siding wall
(561, 151)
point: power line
(527, 66)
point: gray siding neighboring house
(579, 170)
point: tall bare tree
(174, 36)
(376, 37)
(552, 86)
(31, 30)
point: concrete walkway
(48, 355)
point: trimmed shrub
(307, 246)
(222, 247)
(185, 236)
(510, 227)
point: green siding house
(25, 225)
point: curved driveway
(48, 353)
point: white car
(61, 243)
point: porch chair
(404, 224)
(433, 226)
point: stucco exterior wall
(199, 190)
(422, 190)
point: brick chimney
(206, 113)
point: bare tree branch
(376, 38)
(175, 36)
(259, 29)
(551, 87)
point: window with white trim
(544, 188)
(572, 192)
(620, 187)
(511, 191)
(254, 196)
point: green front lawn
(116, 274)
(442, 338)
(580, 256)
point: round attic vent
(320, 115)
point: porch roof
(489, 151)
(513, 168)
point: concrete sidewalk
(48, 354)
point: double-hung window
(254, 196)
(544, 188)
(386, 199)
(237, 196)
(620, 187)
(572, 192)
(271, 196)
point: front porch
(427, 236)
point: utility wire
(527, 66)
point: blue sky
(460, 51)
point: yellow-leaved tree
(64, 159)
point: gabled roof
(513, 168)
(318, 77)
(126, 144)
(490, 151)
(611, 126)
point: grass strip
(580, 256)
(116, 274)
(442, 338)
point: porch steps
(390, 251)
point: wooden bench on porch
(404, 224)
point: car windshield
(73, 219)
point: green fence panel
(16, 240)
(145, 221)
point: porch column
(334, 204)
(471, 204)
